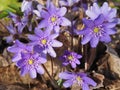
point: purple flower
(20, 23)
(53, 18)
(19, 48)
(38, 12)
(97, 30)
(26, 5)
(45, 41)
(74, 4)
(70, 58)
(76, 78)
(13, 32)
(31, 63)
(68, 2)
(94, 11)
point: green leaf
(3, 14)
(59, 82)
(14, 7)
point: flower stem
(86, 56)
(53, 82)
(92, 57)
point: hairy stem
(53, 82)
(91, 58)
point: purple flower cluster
(100, 25)
(26, 59)
(70, 58)
(109, 13)
(43, 25)
(76, 78)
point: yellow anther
(53, 19)
(44, 41)
(78, 79)
(96, 30)
(30, 61)
(70, 57)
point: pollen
(30, 62)
(78, 79)
(44, 41)
(53, 19)
(96, 30)
(70, 57)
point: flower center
(53, 19)
(79, 80)
(30, 62)
(43, 41)
(96, 30)
(70, 57)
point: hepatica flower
(77, 78)
(44, 41)
(19, 48)
(31, 63)
(20, 23)
(53, 18)
(97, 30)
(109, 13)
(70, 58)
(68, 2)
(13, 32)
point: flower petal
(56, 43)
(16, 57)
(73, 65)
(85, 86)
(96, 9)
(51, 51)
(33, 73)
(33, 38)
(86, 39)
(42, 60)
(99, 20)
(43, 24)
(40, 69)
(62, 11)
(110, 31)
(38, 32)
(88, 23)
(66, 75)
(77, 61)
(53, 36)
(89, 81)
(57, 29)
(105, 8)
(94, 41)
(65, 22)
(24, 70)
(109, 25)
(67, 83)
(106, 38)
(91, 14)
